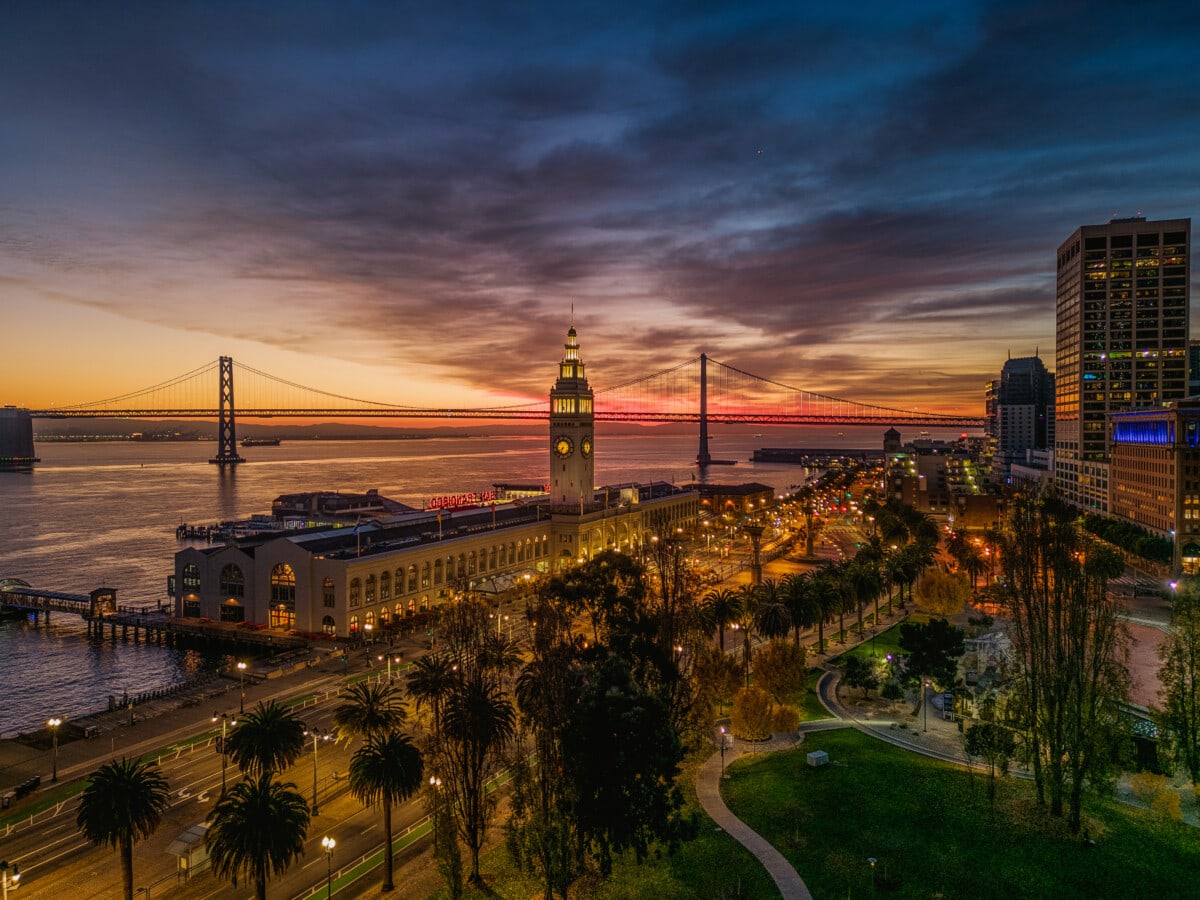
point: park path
(708, 789)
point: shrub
(1147, 786)
(751, 719)
(892, 690)
(784, 719)
(1167, 805)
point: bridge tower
(572, 420)
(227, 452)
(703, 458)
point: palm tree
(268, 739)
(826, 595)
(123, 802)
(864, 586)
(430, 679)
(256, 830)
(801, 602)
(748, 605)
(370, 711)
(772, 619)
(971, 561)
(386, 770)
(721, 609)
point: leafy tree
(861, 673)
(123, 802)
(371, 711)
(1179, 678)
(995, 744)
(717, 677)
(386, 770)
(269, 738)
(621, 756)
(941, 593)
(933, 649)
(256, 830)
(751, 719)
(779, 669)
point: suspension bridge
(699, 391)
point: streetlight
(390, 660)
(241, 667)
(5, 880)
(328, 844)
(225, 720)
(53, 724)
(925, 703)
(871, 860)
(317, 736)
(723, 736)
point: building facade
(1155, 474)
(340, 581)
(1021, 411)
(1121, 340)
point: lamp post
(925, 703)
(53, 724)
(722, 751)
(328, 844)
(241, 667)
(390, 660)
(871, 860)
(5, 880)
(225, 720)
(318, 736)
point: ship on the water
(260, 442)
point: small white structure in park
(818, 758)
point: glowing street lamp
(328, 843)
(316, 736)
(241, 667)
(390, 660)
(8, 881)
(53, 724)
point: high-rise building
(1021, 410)
(1121, 340)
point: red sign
(469, 499)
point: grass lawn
(883, 643)
(933, 836)
(713, 866)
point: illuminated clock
(585, 447)
(563, 447)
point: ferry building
(340, 581)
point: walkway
(708, 789)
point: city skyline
(403, 206)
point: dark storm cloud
(788, 187)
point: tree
(123, 802)
(722, 608)
(861, 673)
(826, 595)
(269, 738)
(779, 669)
(256, 830)
(1069, 643)
(716, 677)
(429, 680)
(995, 744)
(801, 602)
(1180, 681)
(941, 593)
(864, 583)
(387, 769)
(371, 711)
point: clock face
(585, 447)
(563, 447)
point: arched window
(520, 553)
(412, 578)
(355, 592)
(232, 582)
(425, 576)
(353, 624)
(399, 582)
(398, 610)
(492, 560)
(384, 617)
(369, 593)
(437, 571)
(471, 563)
(385, 585)
(424, 603)
(191, 577)
(462, 565)
(328, 594)
(545, 545)
(503, 560)
(370, 623)
(283, 585)
(328, 625)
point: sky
(408, 202)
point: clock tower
(572, 481)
